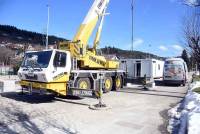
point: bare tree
(194, 3)
(191, 31)
(5, 55)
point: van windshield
(37, 59)
(174, 67)
(173, 62)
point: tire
(184, 83)
(83, 83)
(108, 85)
(117, 83)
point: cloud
(163, 48)
(177, 47)
(137, 42)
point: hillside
(14, 35)
(128, 54)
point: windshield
(37, 59)
(174, 66)
(174, 62)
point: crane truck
(73, 68)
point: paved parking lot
(133, 112)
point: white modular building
(138, 68)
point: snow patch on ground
(149, 85)
(185, 117)
(9, 83)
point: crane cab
(44, 66)
(45, 69)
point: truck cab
(45, 68)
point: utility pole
(149, 51)
(47, 41)
(132, 39)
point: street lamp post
(47, 28)
(132, 39)
(149, 51)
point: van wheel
(184, 84)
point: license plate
(31, 74)
(82, 93)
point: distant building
(30, 47)
(2, 45)
(111, 57)
(5, 70)
(138, 68)
(52, 46)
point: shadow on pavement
(167, 92)
(161, 83)
(33, 99)
(36, 98)
(139, 91)
(72, 102)
(163, 127)
(12, 114)
(164, 114)
(152, 90)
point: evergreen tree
(185, 57)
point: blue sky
(157, 23)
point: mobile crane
(73, 68)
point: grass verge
(195, 78)
(197, 90)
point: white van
(175, 71)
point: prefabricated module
(73, 68)
(137, 68)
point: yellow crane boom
(87, 58)
(78, 46)
(98, 34)
(90, 21)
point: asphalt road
(133, 111)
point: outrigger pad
(99, 107)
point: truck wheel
(118, 83)
(108, 85)
(83, 83)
